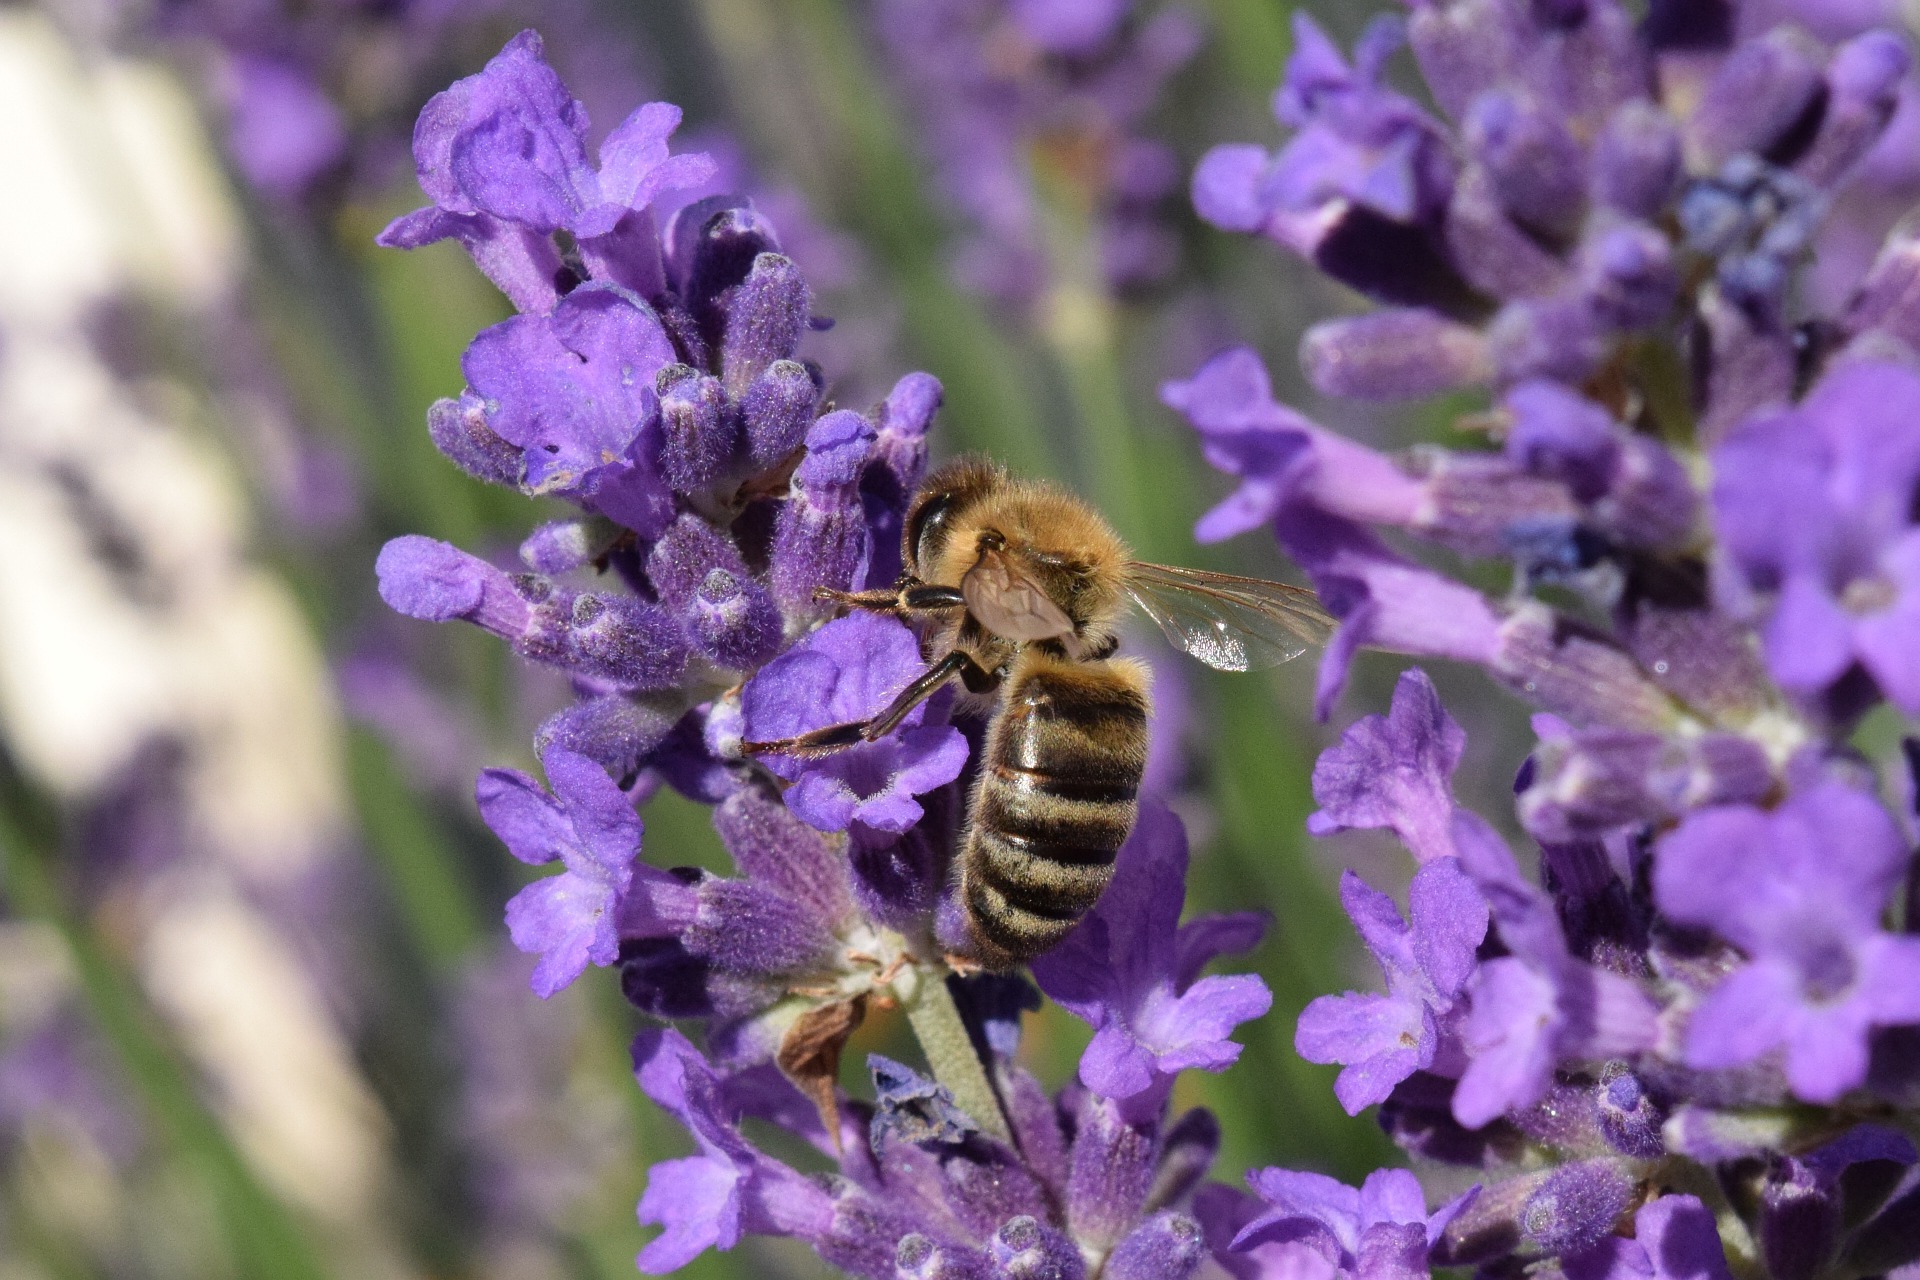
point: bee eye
(927, 528)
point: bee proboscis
(1020, 587)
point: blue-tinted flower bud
(1495, 255)
(1026, 1249)
(436, 582)
(734, 622)
(749, 928)
(919, 1258)
(1558, 338)
(1636, 160)
(778, 409)
(1628, 275)
(1462, 48)
(459, 430)
(1630, 1118)
(1562, 669)
(1393, 355)
(1167, 1246)
(1536, 166)
(821, 538)
(1576, 1206)
(561, 546)
(635, 645)
(765, 318)
(697, 428)
(1652, 502)
(686, 553)
(712, 245)
(1799, 1220)
(614, 730)
(1750, 363)
(1759, 94)
(1889, 298)
(1113, 1166)
(1187, 1151)
(1863, 89)
(1483, 505)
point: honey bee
(1019, 586)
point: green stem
(943, 1037)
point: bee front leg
(909, 595)
(837, 737)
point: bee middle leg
(837, 737)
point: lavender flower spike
(1133, 971)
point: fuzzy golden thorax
(1053, 538)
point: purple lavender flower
(284, 132)
(1814, 876)
(710, 1200)
(589, 826)
(1394, 771)
(850, 670)
(502, 155)
(1815, 507)
(1133, 971)
(921, 1190)
(1426, 959)
(1539, 1006)
(1361, 151)
(1310, 1224)
(1674, 1237)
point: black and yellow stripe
(1055, 801)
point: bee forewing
(1009, 604)
(1226, 621)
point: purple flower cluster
(1018, 94)
(1688, 1048)
(1099, 1179)
(650, 380)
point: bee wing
(1008, 603)
(1226, 621)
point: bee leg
(873, 601)
(909, 596)
(836, 737)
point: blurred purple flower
(1815, 504)
(1313, 1225)
(1674, 1238)
(1801, 891)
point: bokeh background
(258, 1016)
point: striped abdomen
(1055, 801)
